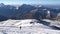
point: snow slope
(53, 22)
(13, 27)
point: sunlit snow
(13, 27)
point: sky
(55, 2)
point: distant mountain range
(26, 12)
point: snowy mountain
(26, 11)
(29, 19)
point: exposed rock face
(58, 16)
(27, 12)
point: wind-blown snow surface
(28, 26)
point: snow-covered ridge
(28, 26)
(17, 22)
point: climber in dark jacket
(20, 27)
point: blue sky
(30, 1)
